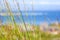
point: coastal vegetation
(9, 32)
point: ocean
(33, 18)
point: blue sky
(37, 4)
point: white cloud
(5, 14)
(42, 3)
(26, 14)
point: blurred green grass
(8, 32)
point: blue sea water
(49, 17)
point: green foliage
(9, 33)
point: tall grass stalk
(10, 12)
(34, 21)
(22, 18)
